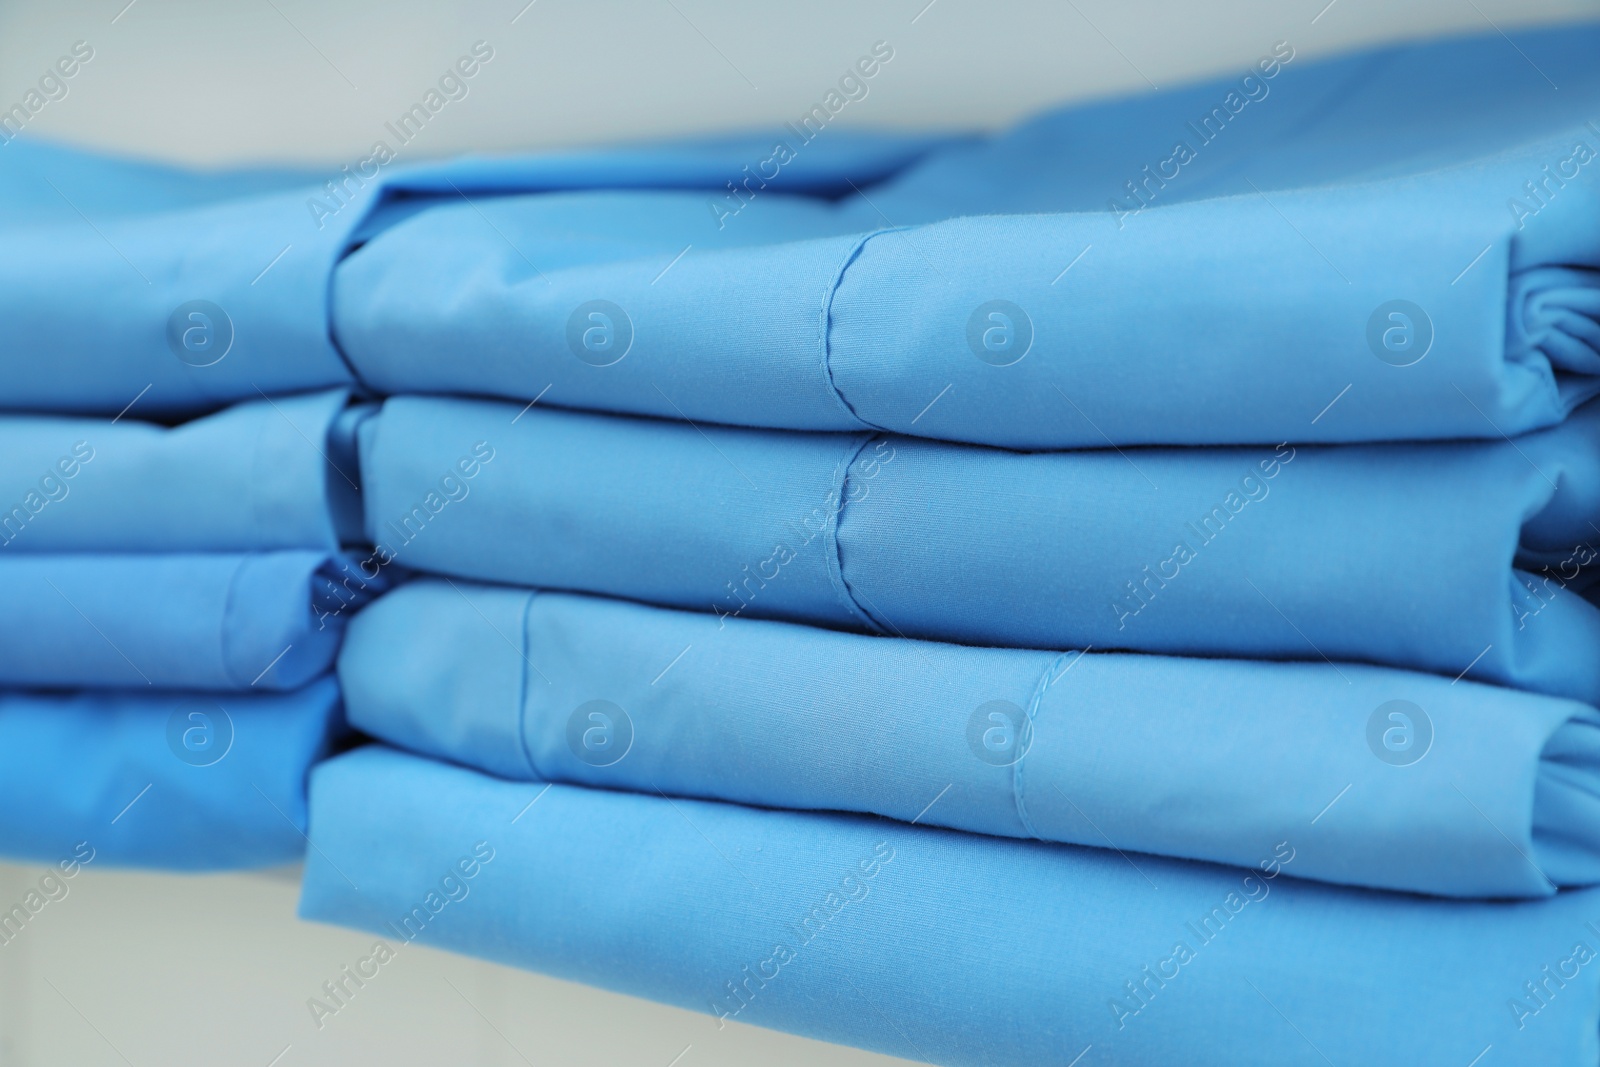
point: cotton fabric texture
(269, 473)
(945, 947)
(1171, 268)
(1399, 554)
(108, 307)
(171, 599)
(833, 623)
(163, 779)
(1383, 778)
(802, 302)
(266, 621)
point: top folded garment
(191, 294)
(1397, 245)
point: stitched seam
(227, 613)
(522, 690)
(825, 327)
(1045, 681)
(830, 536)
(384, 193)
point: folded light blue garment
(273, 472)
(1401, 108)
(1397, 554)
(269, 620)
(45, 182)
(1173, 268)
(944, 947)
(1202, 759)
(183, 781)
(127, 293)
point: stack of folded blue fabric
(1117, 592)
(171, 601)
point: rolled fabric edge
(1566, 807)
(201, 621)
(302, 600)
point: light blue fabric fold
(181, 781)
(46, 182)
(1384, 778)
(190, 295)
(944, 947)
(1398, 554)
(878, 326)
(1077, 282)
(260, 475)
(269, 620)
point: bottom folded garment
(943, 946)
(186, 781)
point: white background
(153, 969)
